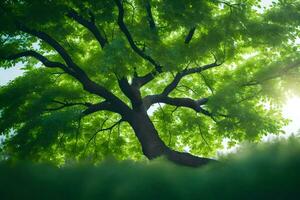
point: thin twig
(202, 136)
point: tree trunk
(153, 146)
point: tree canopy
(209, 69)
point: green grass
(267, 172)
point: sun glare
(264, 4)
(291, 110)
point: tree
(94, 68)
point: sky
(7, 75)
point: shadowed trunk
(153, 146)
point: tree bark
(153, 147)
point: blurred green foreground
(266, 172)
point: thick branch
(178, 102)
(105, 105)
(126, 32)
(90, 25)
(131, 91)
(87, 83)
(37, 56)
(53, 43)
(185, 102)
(75, 71)
(150, 16)
(143, 80)
(190, 35)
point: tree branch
(105, 105)
(72, 69)
(131, 91)
(185, 102)
(207, 83)
(103, 129)
(67, 104)
(280, 73)
(143, 80)
(230, 5)
(94, 135)
(186, 87)
(126, 32)
(178, 102)
(190, 35)
(53, 43)
(169, 88)
(150, 16)
(37, 56)
(202, 136)
(87, 83)
(90, 25)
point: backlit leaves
(258, 53)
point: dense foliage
(266, 173)
(41, 112)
